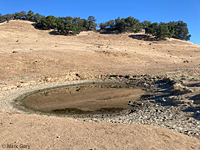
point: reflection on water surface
(87, 99)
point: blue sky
(152, 10)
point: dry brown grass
(43, 57)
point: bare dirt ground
(32, 58)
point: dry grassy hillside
(45, 53)
(31, 57)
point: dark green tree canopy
(20, 15)
(9, 17)
(128, 24)
(145, 24)
(181, 31)
(102, 25)
(30, 16)
(176, 30)
(68, 25)
(91, 23)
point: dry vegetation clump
(180, 89)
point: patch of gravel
(177, 112)
(148, 113)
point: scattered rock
(170, 111)
(197, 102)
(15, 52)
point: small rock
(176, 102)
(31, 49)
(112, 78)
(131, 78)
(162, 99)
(146, 85)
(15, 52)
(19, 86)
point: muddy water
(87, 99)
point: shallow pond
(84, 99)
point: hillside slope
(45, 53)
(31, 57)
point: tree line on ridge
(69, 25)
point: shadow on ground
(109, 32)
(165, 91)
(34, 24)
(194, 85)
(51, 32)
(195, 110)
(143, 37)
(54, 33)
